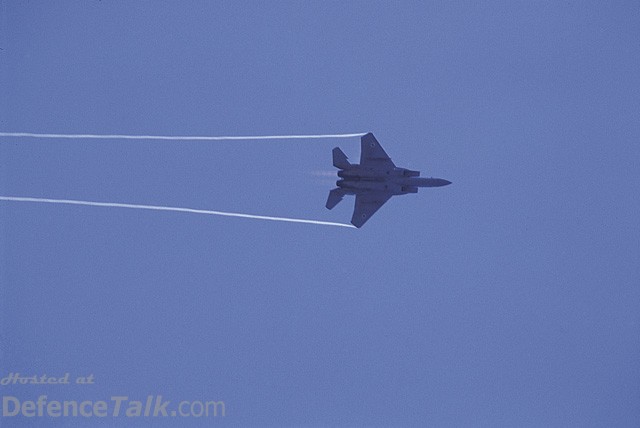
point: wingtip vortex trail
(175, 209)
(176, 137)
(173, 138)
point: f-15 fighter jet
(374, 181)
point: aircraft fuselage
(398, 181)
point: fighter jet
(374, 181)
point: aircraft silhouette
(374, 181)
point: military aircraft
(374, 181)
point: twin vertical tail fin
(340, 159)
(335, 196)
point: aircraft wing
(372, 153)
(366, 205)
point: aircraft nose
(439, 182)
(433, 182)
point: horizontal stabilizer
(340, 159)
(335, 196)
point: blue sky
(509, 298)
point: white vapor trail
(324, 173)
(162, 208)
(175, 138)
